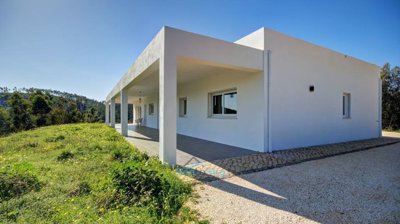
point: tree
(40, 107)
(390, 97)
(56, 116)
(73, 114)
(4, 122)
(47, 107)
(92, 115)
(20, 113)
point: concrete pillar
(133, 114)
(112, 113)
(124, 112)
(107, 113)
(168, 108)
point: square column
(124, 112)
(107, 113)
(112, 113)
(168, 109)
(134, 114)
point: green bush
(31, 145)
(125, 153)
(78, 181)
(55, 138)
(81, 189)
(14, 184)
(65, 155)
(118, 155)
(148, 184)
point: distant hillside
(83, 103)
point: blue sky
(84, 46)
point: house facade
(267, 91)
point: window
(151, 109)
(182, 107)
(223, 104)
(346, 105)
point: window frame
(151, 112)
(182, 107)
(223, 115)
(346, 105)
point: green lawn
(85, 173)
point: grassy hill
(85, 173)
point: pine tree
(40, 107)
(4, 122)
(20, 113)
(390, 97)
(92, 115)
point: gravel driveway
(361, 187)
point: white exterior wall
(303, 118)
(292, 117)
(245, 131)
(150, 121)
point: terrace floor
(189, 150)
(207, 161)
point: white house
(264, 92)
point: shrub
(55, 138)
(65, 155)
(114, 137)
(13, 184)
(126, 153)
(31, 144)
(81, 189)
(147, 184)
(118, 155)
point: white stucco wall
(303, 118)
(254, 39)
(245, 131)
(297, 117)
(149, 120)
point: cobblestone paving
(225, 168)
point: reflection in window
(151, 109)
(224, 103)
(230, 105)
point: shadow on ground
(353, 188)
(309, 201)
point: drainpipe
(379, 107)
(268, 100)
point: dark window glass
(151, 109)
(344, 105)
(184, 106)
(217, 104)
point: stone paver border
(225, 168)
